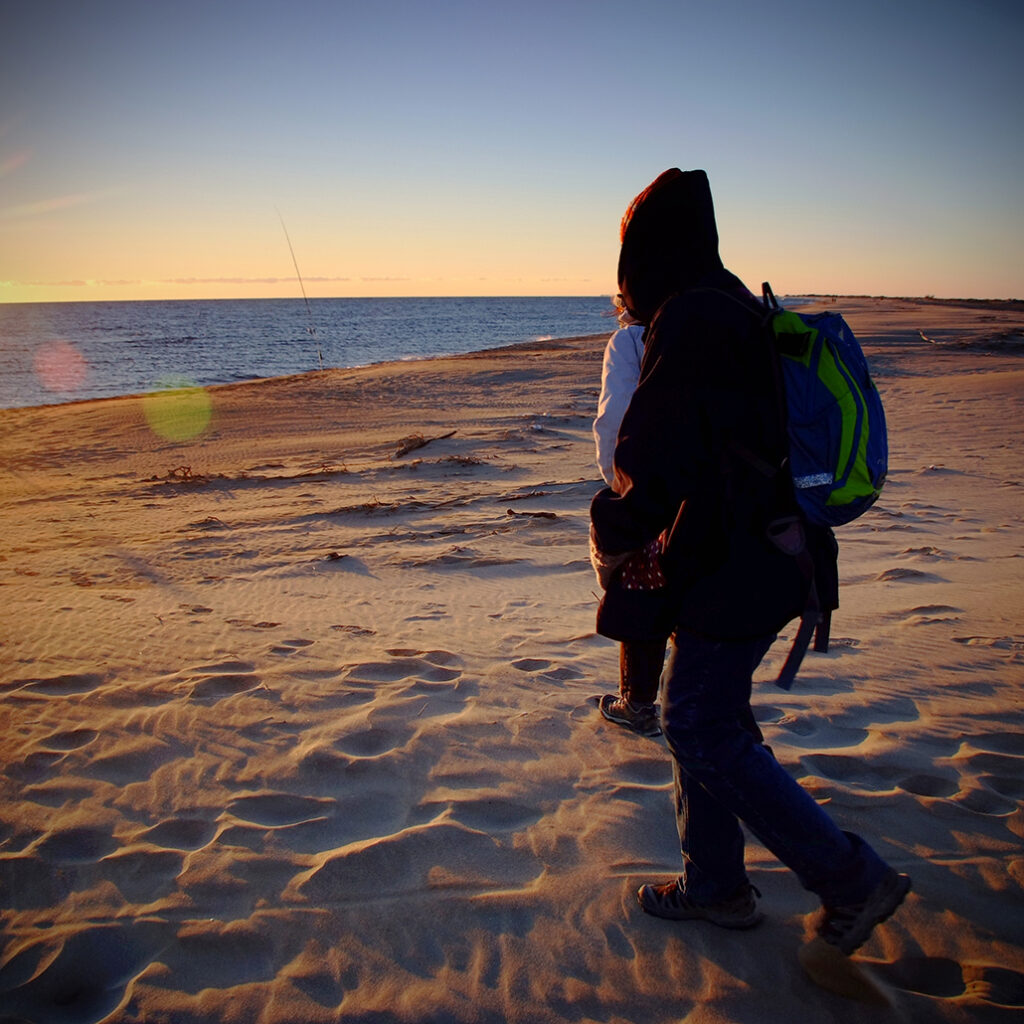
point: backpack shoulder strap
(788, 533)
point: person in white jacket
(640, 664)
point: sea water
(59, 352)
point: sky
(171, 149)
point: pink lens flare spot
(61, 367)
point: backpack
(838, 446)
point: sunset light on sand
(314, 316)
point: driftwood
(535, 515)
(414, 441)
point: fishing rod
(311, 329)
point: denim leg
(724, 774)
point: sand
(297, 720)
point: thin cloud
(242, 280)
(50, 205)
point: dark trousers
(725, 775)
(640, 665)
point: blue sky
(417, 148)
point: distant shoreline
(925, 300)
(823, 296)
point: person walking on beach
(707, 388)
(640, 662)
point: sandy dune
(297, 728)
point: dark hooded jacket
(706, 392)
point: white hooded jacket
(619, 375)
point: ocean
(58, 352)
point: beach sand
(297, 726)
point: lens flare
(178, 409)
(60, 367)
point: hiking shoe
(669, 900)
(847, 927)
(641, 718)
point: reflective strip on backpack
(816, 480)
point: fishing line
(311, 329)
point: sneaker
(669, 900)
(641, 718)
(847, 927)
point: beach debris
(534, 515)
(210, 523)
(464, 460)
(324, 469)
(414, 441)
(527, 494)
(336, 556)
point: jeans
(724, 775)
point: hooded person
(706, 392)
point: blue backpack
(838, 446)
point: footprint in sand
(904, 575)
(943, 978)
(275, 809)
(816, 732)
(60, 686)
(215, 682)
(649, 772)
(355, 630)
(80, 845)
(180, 833)
(1004, 764)
(929, 614)
(34, 767)
(135, 760)
(438, 855)
(1009, 786)
(226, 666)
(141, 876)
(70, 740)
(1001, 643)
(373, 741)
(984, 801)
(926, 553)
(241, 954)
(28, 883)
(929, 786)
(852, 771)
(999, 742)
(495, 814)
(80, 976)
(431, 613)
(531, 664)
(286, 647)
(406, 665)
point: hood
(669, 241)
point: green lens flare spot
(178, 409)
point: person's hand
(605, 565)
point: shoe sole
(698, 914)
(890, 900)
